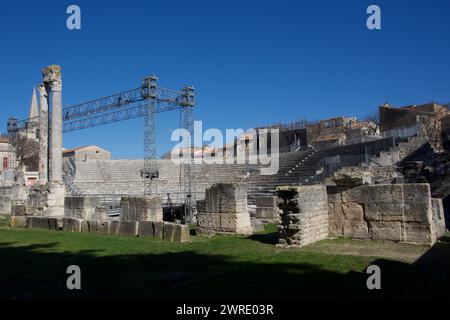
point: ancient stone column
(43, 135)
(52, 77)
(55, 200)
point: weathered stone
(18, 222)
(102, 227)
(438, 217)
(353, 211)
(113, 227)
(169, 231)
(158, 230)
(257, 225)
(388, 209)
(85, 226)
(182, 233)
(146, 229)
(382, 230)
(81, 207)
(18, 210)
(232, 217)
(141, 209)
(226, 198)
(128, 228)
(351, 178)
(305, 217)
(5, 204)
(71, 225)
(267, 209)
(42, 223)
(355, 230)
(418, 233)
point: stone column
(52, 77)
(43, 134)
(56, 87)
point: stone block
(128, 228)
(182, 233)
(19, 210)
(438, 217)
(305, 217)
(353, 211)
(158, 230)
(351, 178)
(201, 206)
(383, 230)
(81, 207)
(18, 222)
(113, 227)
(418, 233)
(257, 225)
(5, 204)
(267, 202)
(85, 226)
(146, 229)
(226, 198)
(355, 230)
(102, 227)
(71, 225)
(141, 209)
(169, 231)
(42, 223)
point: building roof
(82, 148)
(330, 137)
(4, 140)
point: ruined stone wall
(392, 118)
(88, 208)
(267, 209)
(224, 210)
(144, 229)
(141, 209)
(304, 218)
(394, 212)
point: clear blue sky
(251, 62)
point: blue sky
(251, 62)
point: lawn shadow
(266, 238)
(38, 271)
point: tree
(374, 116)
(27, 151)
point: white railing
(296, 146)
(403, 132)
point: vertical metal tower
(150, 93)
(187, 110)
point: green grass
(33, 265)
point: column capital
(56, 85)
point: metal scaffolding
(143, 102)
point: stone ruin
(305, 215)
(139, 217)
(224, 210)
(355, 208)
(267, 210)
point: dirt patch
(388, 250)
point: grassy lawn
(33, 265)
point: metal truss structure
(143, 102)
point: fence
(406, 132)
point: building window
(5, 163)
